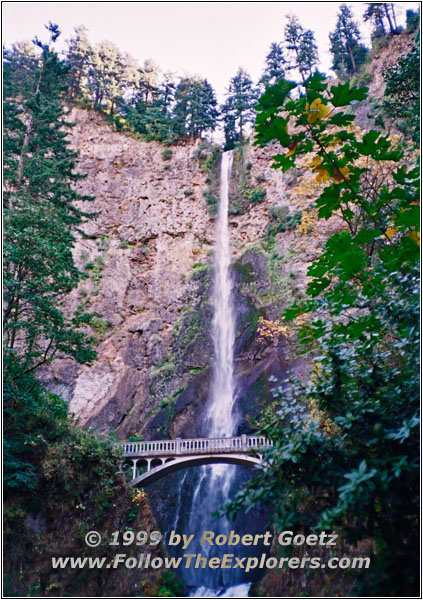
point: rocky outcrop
(146, 261)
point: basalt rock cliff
(147, 263)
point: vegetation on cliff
(59, 480)
(346, 444)
(345, 453)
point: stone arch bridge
(155, 459)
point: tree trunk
(388, 16)
(26, 138)
(351, 53)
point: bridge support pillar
(134, 467)
(148, 463)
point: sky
(211, 39)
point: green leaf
(343, 94)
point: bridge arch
(180, 463)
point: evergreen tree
(131, 76)
(274, 69)
(348, 53)
(79, 55)
(379, 13)
(402, 94)
(238, 109)
(106, 75)
(301, 46)
(149, 81)
(154, 120)
(195, 107)
(39, 217)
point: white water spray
(215, 481)
(222, 393)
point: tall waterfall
(214, 484)
(222, 393)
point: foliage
(380, 14)
(167, 153)
(345, 454)
(402, 94)
(301, 47)
(412, 20)
(274, 69)
(348, 54)
(40, 220)
(238, 109)
(195, 109)
(282, 220)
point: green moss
(246, 194)
(100, 326)
(163, 371)
(246, 271)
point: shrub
(258, 195)
(167, 153)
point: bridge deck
(183, 447)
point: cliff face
(147, 268)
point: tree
(274, 69)
(195, 108)
(377, 13)
(345, 454)
(348, 53)
(301, 47)
(149, 81)
(413, 20)
(106, 75)
(131, 76)
(238, 109)
(79, 55)
(40, 218)
(402, 94)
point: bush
(258, 195)
(167, 153)
(412, 20)
(212, 202)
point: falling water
(222, 395)
(215, 481)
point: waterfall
(214, 485)
(222, 394)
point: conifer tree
(106, 75)
(40, 216)
(238, 109)
(195, 107)
(131, 76)
(79, 55)
(348, 53)
(301, 46)
(40, 219)
(274, 69)
(378, 13)
(149, 81)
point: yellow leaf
(317, 110)
(415, 236)
(341, 174)
(322, 175)
(317, 160)
(391, 231)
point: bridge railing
(180, 447)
